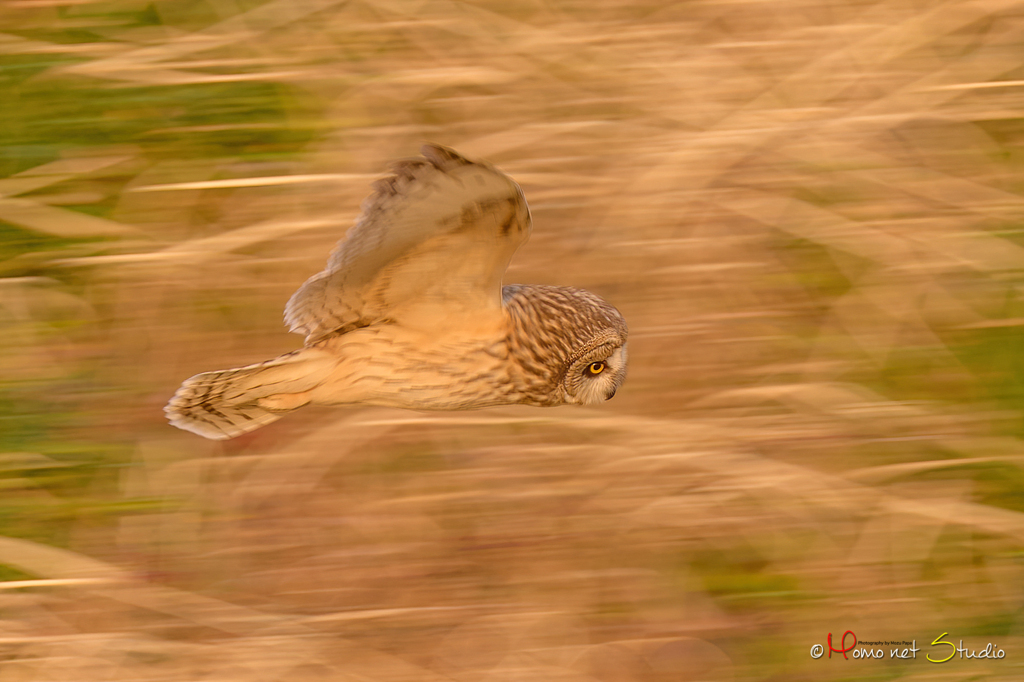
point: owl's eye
(595, 368)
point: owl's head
(570, 343)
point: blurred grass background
(809, 212)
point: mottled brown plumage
(410, 312)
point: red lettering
(842, 643)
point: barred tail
(230, 402)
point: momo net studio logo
(941, 650)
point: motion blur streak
(809, 212)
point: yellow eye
(595, 368)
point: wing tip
(443, 158)
(404, 172)
(179, 413)
(192, 409)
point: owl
(410, 312)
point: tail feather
(230, 402)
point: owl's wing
(441, 231)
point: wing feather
(442, 229)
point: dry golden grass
(809, 213)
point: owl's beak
(611, 395)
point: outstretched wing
(440, 232)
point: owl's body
(411, 313)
